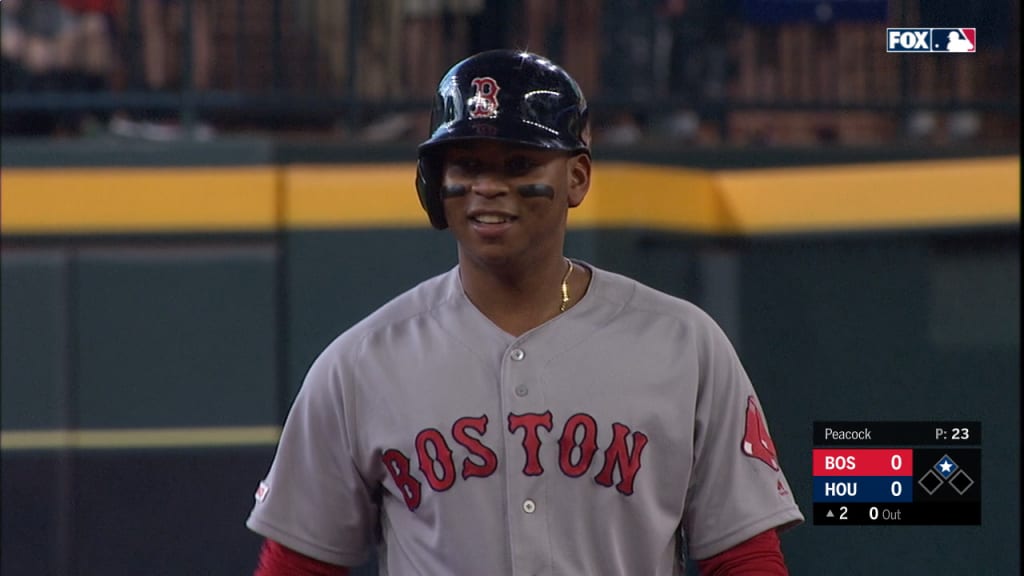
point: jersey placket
(527, 429)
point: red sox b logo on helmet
(484, 102)
(756, 441)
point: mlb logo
(261, 492)
(953, 40)
(930, 40)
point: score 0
(863, 462)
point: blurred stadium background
(197, 196)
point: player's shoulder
(648, 305)
(639, 298)
(414, 304)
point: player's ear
(579, 178)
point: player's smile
(491, 217)
(491, 224)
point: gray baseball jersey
(589, 445)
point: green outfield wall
(161, 304)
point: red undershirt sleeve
(277, 560)
(759, 556)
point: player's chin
(491, 253)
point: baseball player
(522, 413)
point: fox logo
(756, 441)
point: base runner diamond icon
(930, 482)
(961, 482)
(946, 467)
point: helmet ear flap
(428, 187)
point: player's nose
(488, 185)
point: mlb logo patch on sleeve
(261, 492)
(930, 40)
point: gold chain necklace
(565, 287)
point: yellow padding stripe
(878, 195)
(113, 200)
(911, 194)
(138, 438)
(384, 195)
(897, 195)
(623, 195)
(352, 195)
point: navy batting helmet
(505, 95)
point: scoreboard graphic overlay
(910, 473)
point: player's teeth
(490, 219)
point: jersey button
(518, 354)
(529, 506)
(522, 390)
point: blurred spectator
(164, 31)
(13, 40)
(462, 22)
(381, 65)
(491, 28)
(988, 74)
(37, 53)
(92, 38)
(624, 129)
(378, 57)
(583, 43)
(628, 72)
(422, 35)
(330, 24)
(697, 61)
(568, 32)
(421, 44)
(37, 41)
(698, 55)
(627, 67)
(433, 32)
(538, 18)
